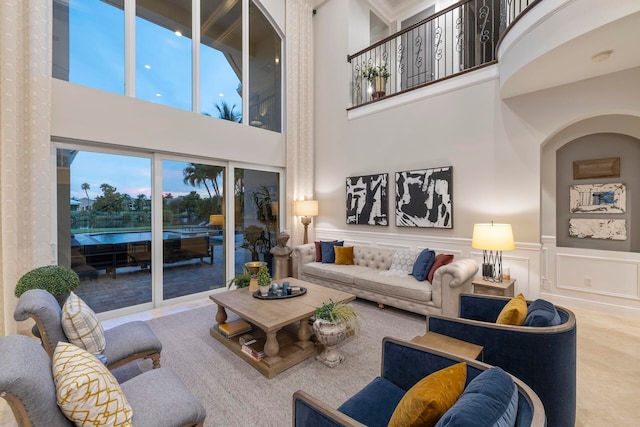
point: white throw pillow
(86, 391)
(402, 262)
(81, 325)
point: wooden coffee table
(284, 322)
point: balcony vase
(330, 334)
(378, 86)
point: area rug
(235, 394)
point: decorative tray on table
(279, 293)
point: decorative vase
(264, 290)
(378, 85)
(330, 334)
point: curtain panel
(299, 84)
(26, 172)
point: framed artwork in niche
(598, 198)
(608, 229)
(367, 199)
(424, 198)
(597, 168)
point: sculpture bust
(281, 250)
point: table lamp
(306, 209)
(492, 239)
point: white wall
(87, 114)
(493, 145)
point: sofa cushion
(336, 273)
(542, 313)
(441, 259)
(514, 312)
(402, 262)
(344, 255)
(86, 391)
(423, 264)
(81, 325)
(490, 399)
(427, 401)
(374, 404)
(406, 287)
(328, 254)
(319, 250)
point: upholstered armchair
(543, 357)
(403, 365)
(157, 397)
(124, 343)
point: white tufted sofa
(365, 281)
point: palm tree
(226, 113)
(86, 187)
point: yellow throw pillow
(87, 393)
(430, 398)
(344, 255)
(514, 313)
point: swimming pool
(122, 237)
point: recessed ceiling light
(602, 56)
(221, 94)
(148, 67)
(158, 94)
(178, 33)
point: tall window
(221, 59)
(256, 196)
(89, 49)
(163, 52)
(265, 72)
(79, 26)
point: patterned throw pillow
(430, 398)
(81, 325)
(87, 393)
(401, 263)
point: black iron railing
(456, 40)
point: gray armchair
(124, 343)
(157, 397)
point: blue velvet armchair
(543, 357)
(403, 365)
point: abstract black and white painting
(367, 199)
(598, 198)
(424, 198)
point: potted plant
(264, 280)
(334, 322)
(242, 280)
(377, 75)
(58, 280)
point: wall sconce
(306, 209)
(492, 239)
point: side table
(449, 345)
(485, 287)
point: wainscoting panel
(595, 275)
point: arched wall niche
(600, 136)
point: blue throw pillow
(490, 399)
(328, 254)
(541, 313)
(423, 264)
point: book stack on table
(252, 347)
(234, 328)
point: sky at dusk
(163, 75)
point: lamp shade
(216, 219)
(492, 237)
(305, 208)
